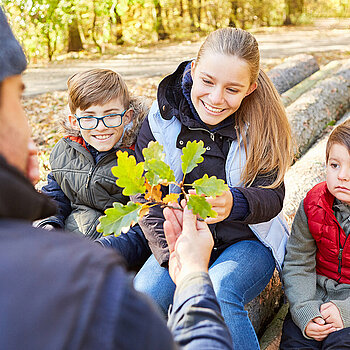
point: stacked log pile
(325, 102)
(291, 72)
(312, 105)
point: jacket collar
(18, 197)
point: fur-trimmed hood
(140, 106)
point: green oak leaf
(200, 206)
(152, 178)
(129, 174)
(119, 218)
(154, 150)
(192, 156)
(210, 186)
(160, 172)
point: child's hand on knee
(318, 329)
(331, 315)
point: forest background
(49, 29)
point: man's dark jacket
(60, 291)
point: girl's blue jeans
(239, 274)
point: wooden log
(262, 309)
(296, 91)
(325, 102)
(292, 71)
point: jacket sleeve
(53, 190)
(195, 319)
(152, 223)
(263, 203)
(299, 272)
(140, 324)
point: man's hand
(32, 163)
(318, 329)
(331, 315)
(221, 204)
(190, 243)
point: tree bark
(94, 29)
(191, 14)
(296, 91)
(74, 40)
(325, 102)
(119, 30)
(161, 32)
(233, 13)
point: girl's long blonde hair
(267, 141)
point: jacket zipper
(340, 254)
(89, 177)
(212, 135)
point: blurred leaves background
(48, 29)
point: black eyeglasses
(90, 122)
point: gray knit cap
(12, 59)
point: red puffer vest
(333, 247)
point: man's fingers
(171, 216)
(170, 235)
(172, 227)
(189, 221)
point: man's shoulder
(59, 248)
(53, 286)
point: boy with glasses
(102, 120)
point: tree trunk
(294, 8)
(50, 50)
(181, 8)
(119, 32)
(94, 29)
(199, 13)
(296, 91)
(74, 41)
(233, 14)
(162, 34)
(327, 100)
(191, 13)
(292, 71)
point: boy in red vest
(316, 272)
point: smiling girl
(225, 99)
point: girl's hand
(318, 329)
(221, 204)
(331, 315)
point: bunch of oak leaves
(147, 178)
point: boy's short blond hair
(96, 87)
(341, 135)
